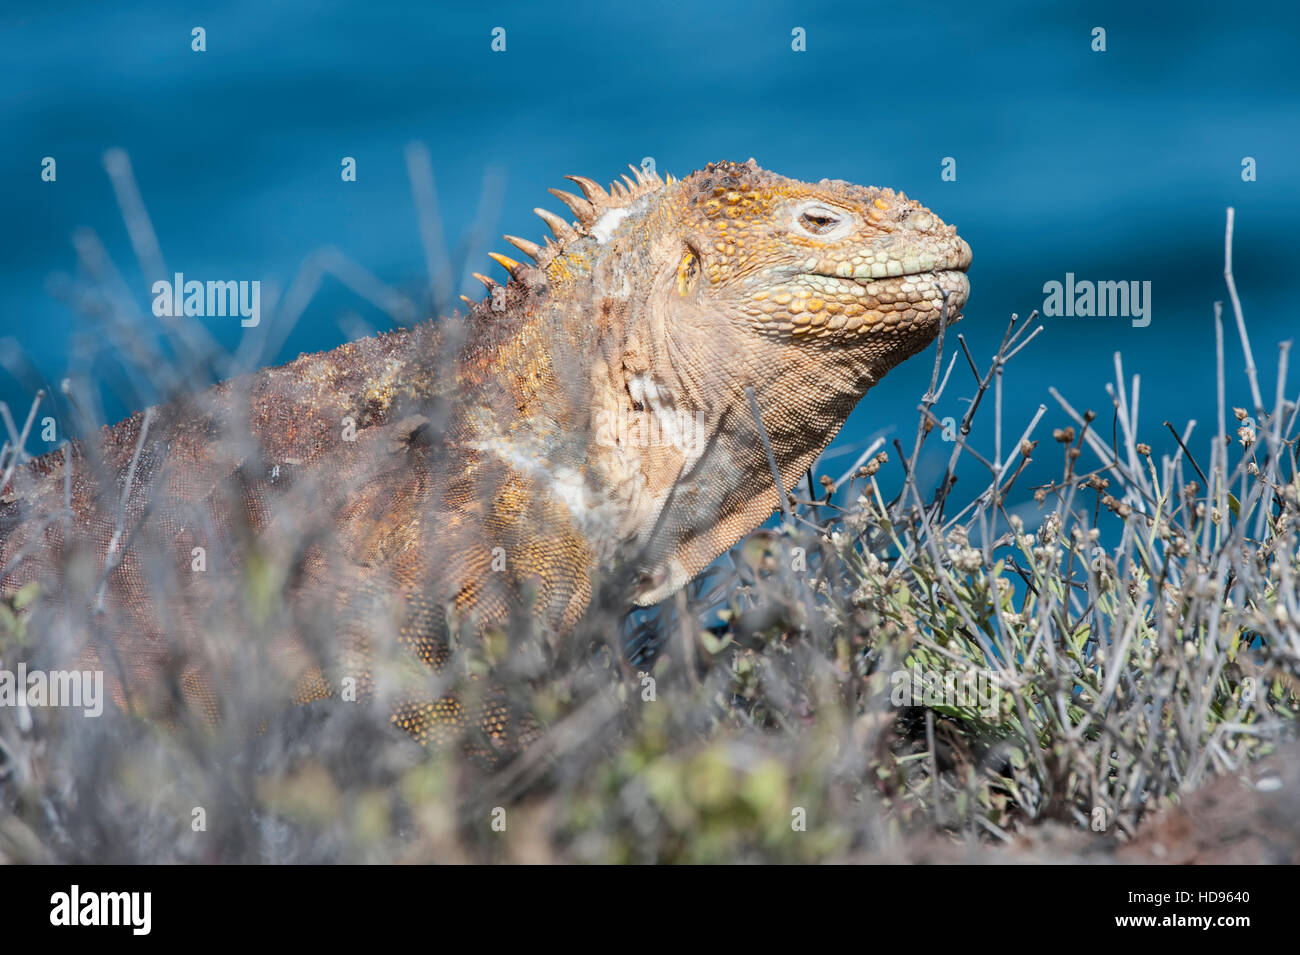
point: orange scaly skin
(588, 420)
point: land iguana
(592, 413)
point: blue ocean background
(1114, 165)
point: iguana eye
(821, 221)
(818, 220)
(688, 270)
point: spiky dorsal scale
(562, 230)
(582, 208)
(507, 263)
(589, 211)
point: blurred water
(1114, 165)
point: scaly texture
(588, 420)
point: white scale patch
(566, 484)
(645, 392)
(604, 228)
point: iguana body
(589, 415)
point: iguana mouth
(950, 261)
(951, 280)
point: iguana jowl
(589, 414)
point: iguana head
(737, 277)
(829, 261)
